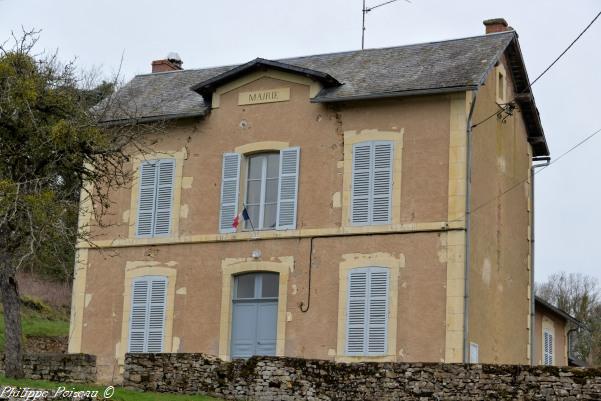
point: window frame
(259, 226)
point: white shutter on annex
(155, 199)
(147, 317)
(371, 193)
(230, 184)
(288, 189)
(367, 311)
(548, 348)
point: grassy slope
(120, 393)
(38, 319)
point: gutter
(468, 211)
(405, 93)
(547, 161)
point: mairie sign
(264, 96)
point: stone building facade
(366, 187)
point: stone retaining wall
(292, 379)
(71, 368)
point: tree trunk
(13, 351)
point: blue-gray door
(254, 314)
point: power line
(365, 10)
(514, 186)
(542, 73)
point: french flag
(244, 215)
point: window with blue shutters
(367, 311)
(147, 316)
(371, 192)
(271, 190)
(155, 198)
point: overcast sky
(211, 33)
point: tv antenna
(368, 9)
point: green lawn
(36, 323)
(120, 393)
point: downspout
(468, 194)
(547, 161)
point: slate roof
(445, 66)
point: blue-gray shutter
(230, 184)
(377, 317)
(288, 189)
(367, 311)
(147, 318)
(356, 313)
(137, 319)
(381, 182)
(371, 192)
(548, 348)
(164, 196)
(146, 199)
(360, 192)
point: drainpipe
(468, 209)
(547, 161)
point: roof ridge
(329, 54)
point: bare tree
(52, 147)
(579, 296)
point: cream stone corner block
(78, 301)
(337, 200)
(187, 182)
(134, 269)
(179, 156)
(352, 137)
(314, 86)
(183, 211)
(232, 266)
(356, 260)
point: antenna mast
(365, 10)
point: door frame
(231, 267)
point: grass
(38, 319)
(120, 393)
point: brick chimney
(172, 63)
(495, 25)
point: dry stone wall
(292, 379)
(68, 368)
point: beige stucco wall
(420, 248)
(198, 290)
(499, 280)
(544, 316)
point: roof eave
(384, 95)
(157, 118)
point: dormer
(212, 89)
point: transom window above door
(262, 190)
(256, 286)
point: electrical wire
(511, 188)
(542, 73)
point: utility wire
(511, 188)
(542, 73)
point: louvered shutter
(137, 319)
(156, 314)
(367, 311)
(146, 199)
(230, 178)
(381, 183)
(377, 311)
(164, 197)
(147, 319)
(360, 193)
(356, 312)
(288, 189)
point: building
(383, 227)
(553, 328)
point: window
(147, 316)
(262, 190)
(271, 190)
(547, 347)
(474, 351)
(501, 85)
(367, 311)
(371, 193)
(155, 199)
